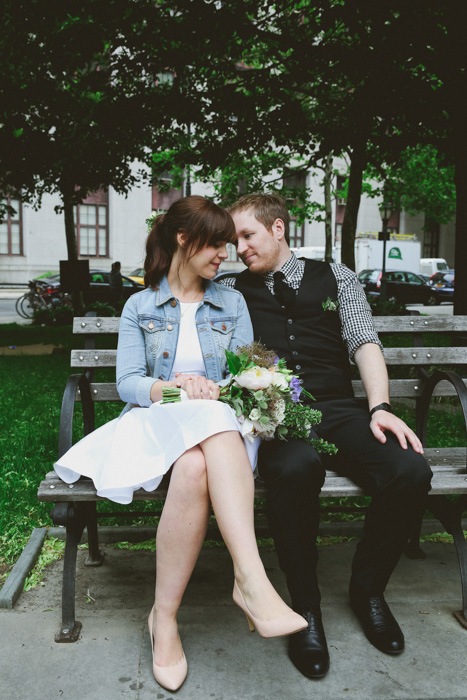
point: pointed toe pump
(289, 623)
(169, 677)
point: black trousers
(396, 479)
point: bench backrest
(419, 355)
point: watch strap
(382, 407)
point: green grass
(31, 389)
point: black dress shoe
(308, 650)
(378, 622)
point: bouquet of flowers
(265, 396)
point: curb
(14, 584)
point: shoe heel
(251, 624)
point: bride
(175, 333)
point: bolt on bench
(75, 504)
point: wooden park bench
(425, 377)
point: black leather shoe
(378, 622)
(308, 650)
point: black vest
(306, 335)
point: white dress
(135, 450)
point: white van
(428, 266)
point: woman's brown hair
(202, 222)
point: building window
(161, 201)
(297, 234)
(92, 225)
(431, 239)
(11, 230)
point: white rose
(254, 414)
(254, 378)
(279, 380)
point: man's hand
(381, 421)
(197, 387)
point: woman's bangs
(222, 228)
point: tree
(85, 94)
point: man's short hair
(266, 208)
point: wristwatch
(382, 407)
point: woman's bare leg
(231, 489)
(180, 536)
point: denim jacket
(148, 336)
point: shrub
(58, 316)
(101, 308)
(387, 308)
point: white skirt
(137, 449)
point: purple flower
(276, 360)
(296, 389)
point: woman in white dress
(175, 333)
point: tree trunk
(460, 254)
(349, 226)
(71, 243)
(328, 208)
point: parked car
(99, 287)
(403, 286)
(137, 275)
(442, 286)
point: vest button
(292, 337)
(298, 367)
(294, 353)
(289, 320)
(173, 303)
(165, 354)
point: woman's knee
(190, 471)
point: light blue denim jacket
(148, 336)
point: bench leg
(449, 513)
(94, 557)
(412, 547)
(73, 517)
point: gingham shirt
(354, 311)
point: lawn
(31, 389)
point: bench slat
(425, 356)
(86, 325)
(393, 356)
(425, 324)
(406, 388)
(383, 324)
(448, 465)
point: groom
(316, 316)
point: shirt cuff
(143, 391)
(355, 343)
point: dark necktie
(285, 295)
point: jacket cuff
(143, 391)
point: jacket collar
(211, 294)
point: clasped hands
(197, 387)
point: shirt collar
(288, 269)
(164, 293)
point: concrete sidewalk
(112, 659)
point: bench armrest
(427, 393)
(65, 436)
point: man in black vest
(316, 316)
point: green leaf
(233, 362)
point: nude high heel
(289, 623)
(169, 677)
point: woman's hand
(197, 387)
